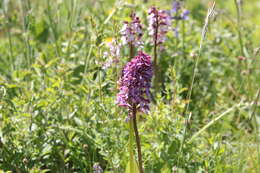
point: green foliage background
(57, 102)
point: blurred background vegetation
(57, 102)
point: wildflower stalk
(134, 84)
(11, 55)
(99, 80)
(86, 62)
(159, 24)
(180, 15)
(137, 140)
(131, 49)
(240, 40)
(176, 31)
(203, 36)
(155, 82)
(133, 126)
(238, 10)
(134, 94)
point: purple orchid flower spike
(135, 83)
(132, 31)
(159, 24)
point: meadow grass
(57, 101)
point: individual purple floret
(185, 14)
(159, 24)
(97, 168)
(176, 6)
(135, 83)
(132, 31)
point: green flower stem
(137, 140)
(131, 55)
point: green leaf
(165, 169)
(132, 165)
(133, 169)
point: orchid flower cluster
(135, 83)
(132, 31)
(131, 35)
(159, 24)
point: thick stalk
(131, 54)
(155, 50)
(155, 67)
(137, 140)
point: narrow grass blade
(215, 120)
(110, 16)
(253, 115)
